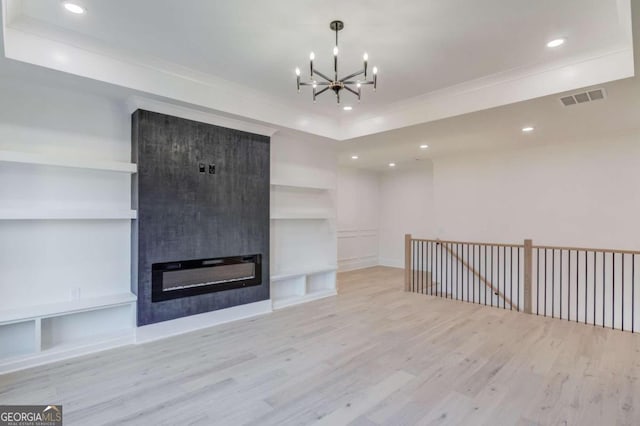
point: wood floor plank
(373, 355)
(362, 403)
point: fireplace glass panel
(192, 277)
(186, 278)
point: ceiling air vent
(584, 97)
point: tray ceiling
(426, 51)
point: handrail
(548, 247)
(467, 242)
(588, 249)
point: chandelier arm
(322, 91)
(352, 91)
(355, 74)
(316, 72)
(356, 82)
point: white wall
(406, 207)
(583, 194)
(303, 158)
(571, 194)
(47, 260)
(358, 201)
(579, 194)
(375, 210)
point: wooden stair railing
(482, 279)
(527, 252)
(592, 286)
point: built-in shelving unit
(58, 246)
(44, 160)
(43, 331)
(303, 237)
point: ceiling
(251, 48)
(259, 45)
(501, 128)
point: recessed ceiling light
(348, 108)
(424, 146)
(74, 8)
(392, 164)
(527, 129)
(354, 157)
(557, 42)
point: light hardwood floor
(372, 355)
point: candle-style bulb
(375, 78)
(335, 51)
(366, 58)
(312, 56)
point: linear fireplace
(172, 280)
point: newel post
(407, 262)
(528, 274)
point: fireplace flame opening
(185, 278)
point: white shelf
(296, 300)
(72, 349)
(302, 186)
(100, 341)
(65, 214)
(38, 159)
(302, 215)
(65, 308)
(293, 274)
(295, 287)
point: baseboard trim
(354, 264)
(162, 330)
(392, 263)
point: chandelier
(349, 83)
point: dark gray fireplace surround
(202, 193)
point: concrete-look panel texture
(184, 213)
